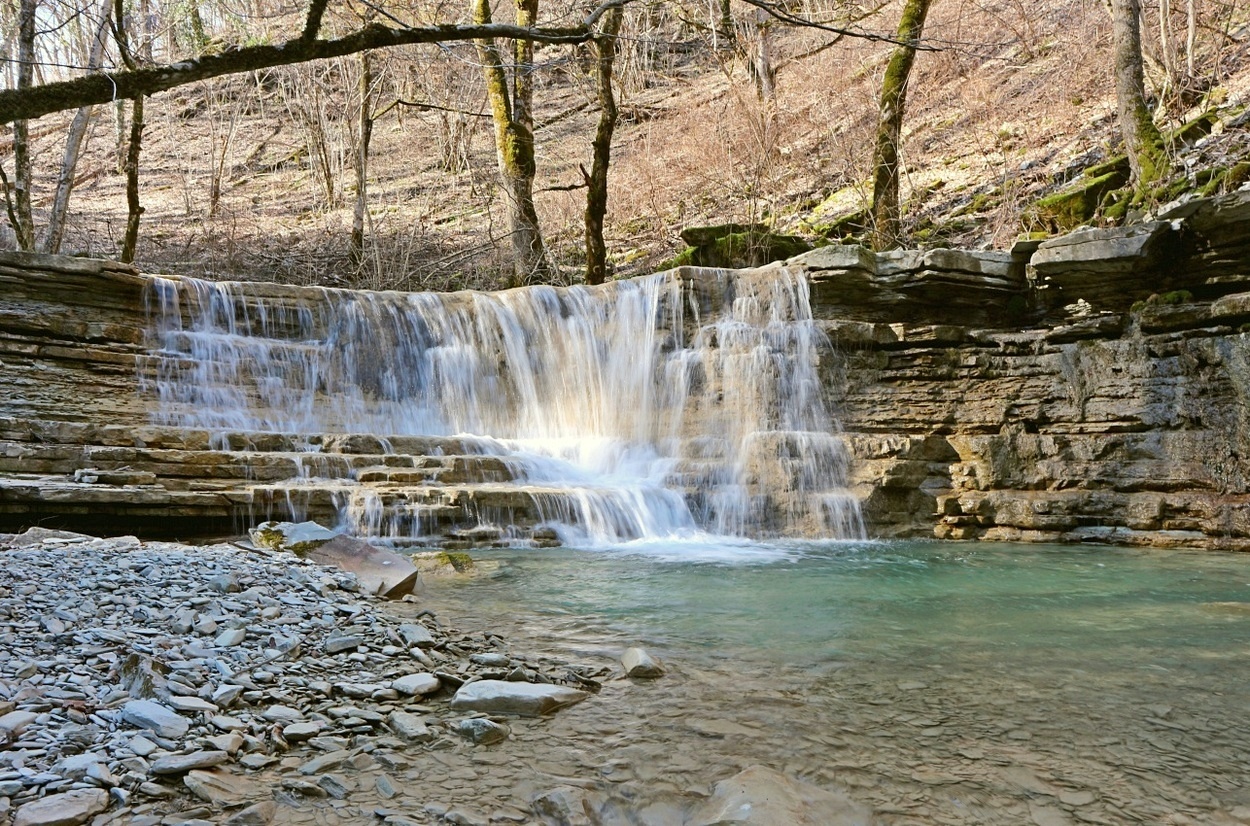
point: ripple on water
(940, 684)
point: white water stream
(654, 408)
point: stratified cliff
(1091, 387)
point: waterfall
(658, 407)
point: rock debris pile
(146, 683)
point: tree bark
(886, 212)
(597, 179)
(764, 71)
(134, 208)
(17, 104)
(511, 110)
(1142, 141)
(22, 162)
(73, 145)
(365, 133)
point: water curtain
(664, 406)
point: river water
(939, 683)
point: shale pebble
(156, 640)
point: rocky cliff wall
(1095, 387)
(1092, 387)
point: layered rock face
(1103, 398)
(1088, 388)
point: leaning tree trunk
(23, 173)
(886, 213)
(134, 208)
(1142, 141)
(597, 179)
(73, 146)
(511, 111)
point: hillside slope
(1014, 103)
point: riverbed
(939, 683)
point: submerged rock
(641, 665)
(760, 796)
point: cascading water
(657, 407)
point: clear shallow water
(942, 683)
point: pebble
(307, 666)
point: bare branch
(94, 89)
(779, 12)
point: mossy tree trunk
(512, 112)
(886, 211)
(597, 178)
(1142, 142)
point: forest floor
(1014, 103)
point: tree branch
(109, 86)
(316, 9)
(779, 12)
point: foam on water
(660, 408)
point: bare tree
(1142, 141)
(512, 109)
(73, 146)
(20, 211)
(886, 211)
(604, 45)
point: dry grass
(251, 177)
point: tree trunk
(514, 142)
(886, 213)
(23, 165)
(597, 180)
(73, 145)
(365, 133)
(135, 210)
(1142, 140)
(764, 71)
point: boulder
(379, 571)
(503, 697)
(296, 537)
(760, 796)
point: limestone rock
(296, 537)
(66, 809)
(149, 714)
(482, 731)
(417, 684)
(760, 796)
(179, 763)
(409, 727)
(503, 697)
(639, 664)
(379, 571)
(221, 788)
